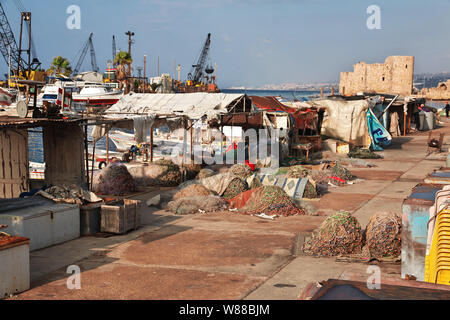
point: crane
(11, 52)
(197, 69)
(89, 44)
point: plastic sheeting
(192, 105)
(346, 120)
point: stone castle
(395, 76)
(441, 92)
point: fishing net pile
(310, 191)
(114, 180)
(193, 190)
(340, 234)
(192, 170)
(69, 194)
(297, 172)
(241, 171)
(267, 199)
(339, 171)
(162, 173)
(255, 183)
(236, 187)
(192, 205)
(361, 153)
(383, 235)
(205, 173)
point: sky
(254, 42)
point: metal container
(415, 216)
(14, 267)
(121, 217)
(90, 219)
(44, 224)
(438, 177)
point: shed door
(14, 175)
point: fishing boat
(97, 95)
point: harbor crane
(196, 75)
(11, 52)
(88, 45)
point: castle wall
(395, 76)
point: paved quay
(227, 255)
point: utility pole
(158, 66)
(145, 72)
(130, 42)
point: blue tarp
(378, 134)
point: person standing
(447, 109)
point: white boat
(122, 140)
(97, 94)
(48, 93)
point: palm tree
(60, 66)
(154, 86)
(123, 59)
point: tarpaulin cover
(192, 105)
(304, 118)
(346, 120)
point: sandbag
(218, 183)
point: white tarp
(192, 105)
(346, 120)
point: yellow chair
(437, 263)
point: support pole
(93, 162)
(191, 133)
(107, 148)
(151, 144)
(87, 155)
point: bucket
(428, 123)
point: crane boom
(87, 45)
(7, 40)
(197, 70)
(93, 58)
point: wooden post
(321, 92)
(151, 144)
(107, 148)
(93, 163)
(87, 155)
(191, 133)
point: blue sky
(254, 42)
